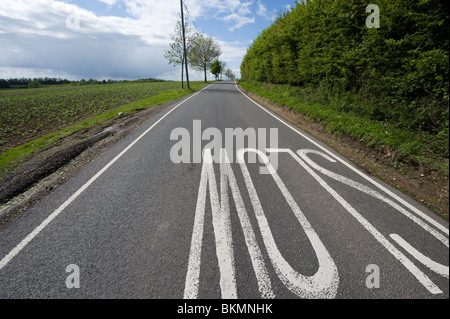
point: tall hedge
(403, 64)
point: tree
(216, 68)
(4, 84)
(229, 74)
(203, 53)
(327, 44)
(175, 55)
(35, 84)
(223, 65)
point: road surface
(181, 209)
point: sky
(121, 39)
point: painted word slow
(324, 283)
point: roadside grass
(331, 111)
(16, 156)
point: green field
(33, 119)
(28, 113)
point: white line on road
(416, 272)
(5, 260)
(369, 191)
(257, 259)
(193, 272)
(434, 266)
(222, 232)
(324, 283)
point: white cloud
(235, 13)
(109, 2)
(238, 21)
(8, 73)
(232, 51)
(41, 35)
(59, 38)
(262, 11)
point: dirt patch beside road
(52, 166)
(421, 181)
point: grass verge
(407, 145)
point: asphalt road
(285, 217)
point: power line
(190, 17)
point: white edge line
(368, 178)
(5, 260)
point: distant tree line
(403, 65)
(40, 82)
(24, 82)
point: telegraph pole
(184, 45)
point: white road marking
(369, 191)
(193, 272)
(17, 249)
(262, 276)
(434, 266)
(366, 177)
(324, 283)
(416, 272)
(222, 231)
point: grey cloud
(105, 55)
(40, 38)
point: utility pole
(184, 45)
